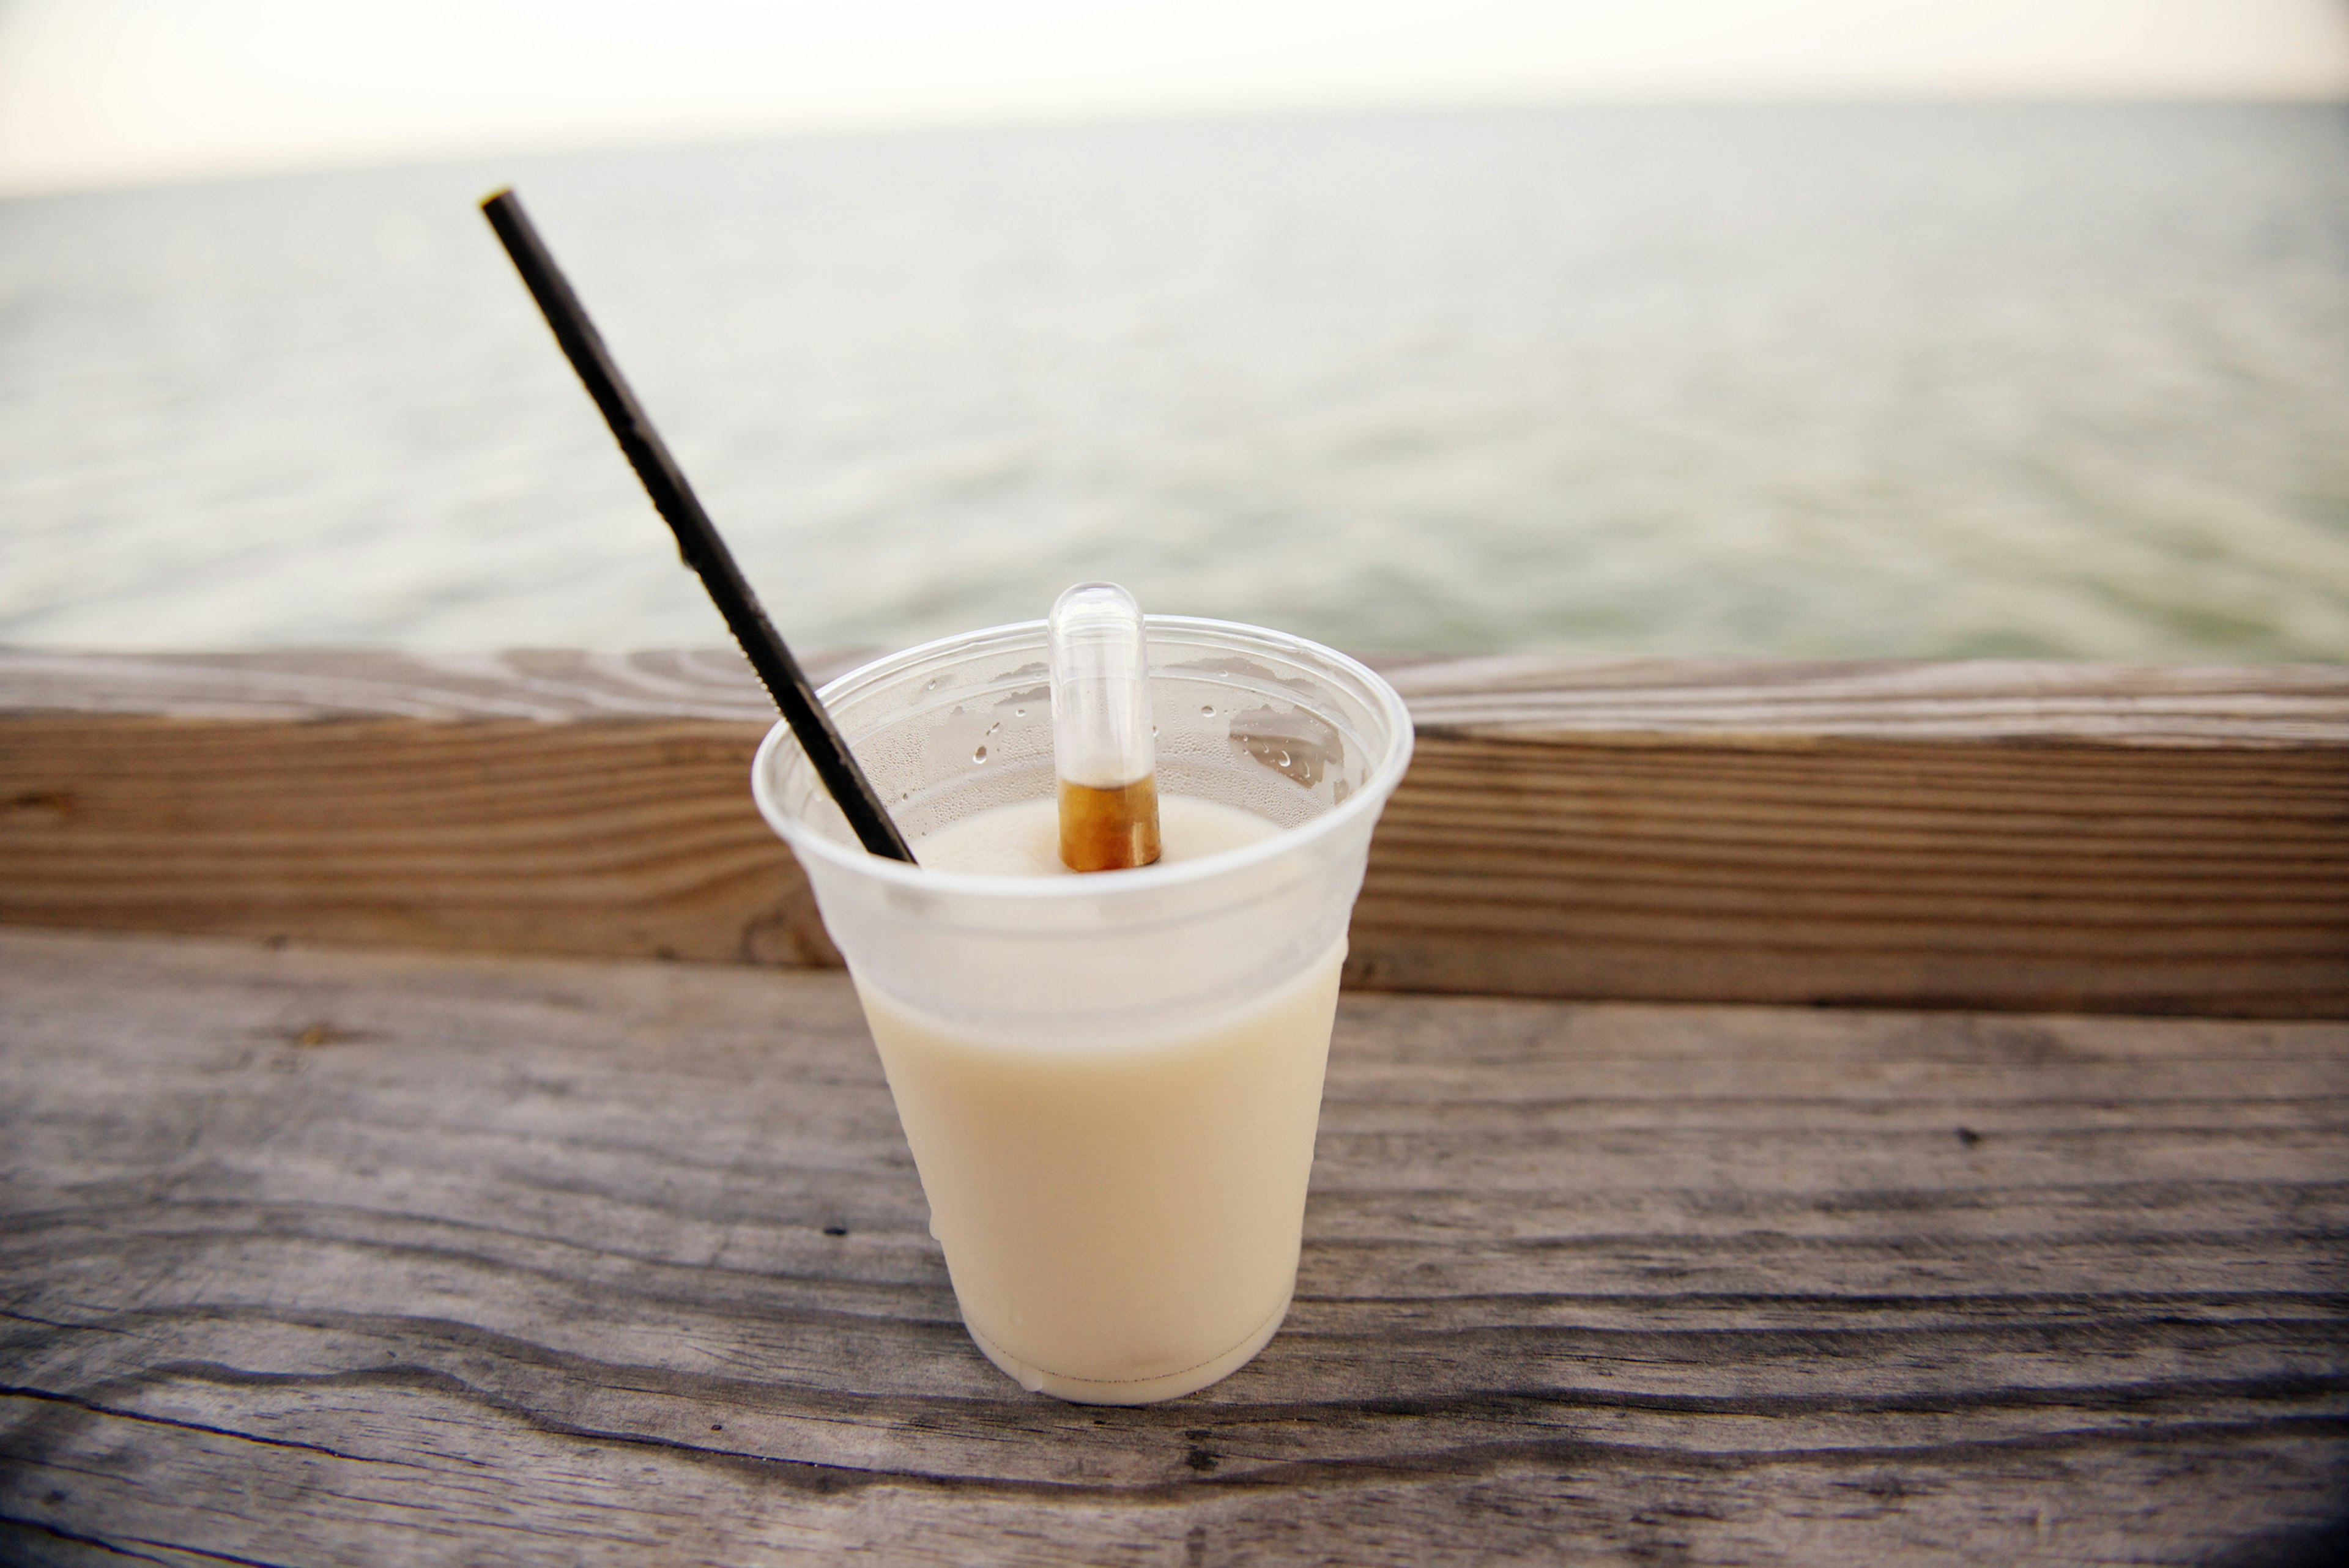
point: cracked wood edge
(1523, 695)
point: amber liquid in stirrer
(1109, 829)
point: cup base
(1136, 1390)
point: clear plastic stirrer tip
(1101, 745)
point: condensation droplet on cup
(1207, 710)
(1019, 713)
(996, 725)
(979, 755)
(1284, 760)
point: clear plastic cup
(1111, 1082)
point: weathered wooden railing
(1980, 835)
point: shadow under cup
(1109, 1082)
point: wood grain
(316, 1256)
(2020, 836)
(524, 802)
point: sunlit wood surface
(320, 1256)
(1973, 835)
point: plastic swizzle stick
(1101, 744)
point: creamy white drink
(1169, 1262)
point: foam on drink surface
(1023, 839)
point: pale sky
(109, 92)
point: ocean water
(1900, 381)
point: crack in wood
(162, 1374)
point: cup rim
(1370, 798)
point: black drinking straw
(697, 537)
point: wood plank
(1976, 835)
(1515, 694)
(555, 802)
(330, 1256)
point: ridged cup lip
(1369, 798)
